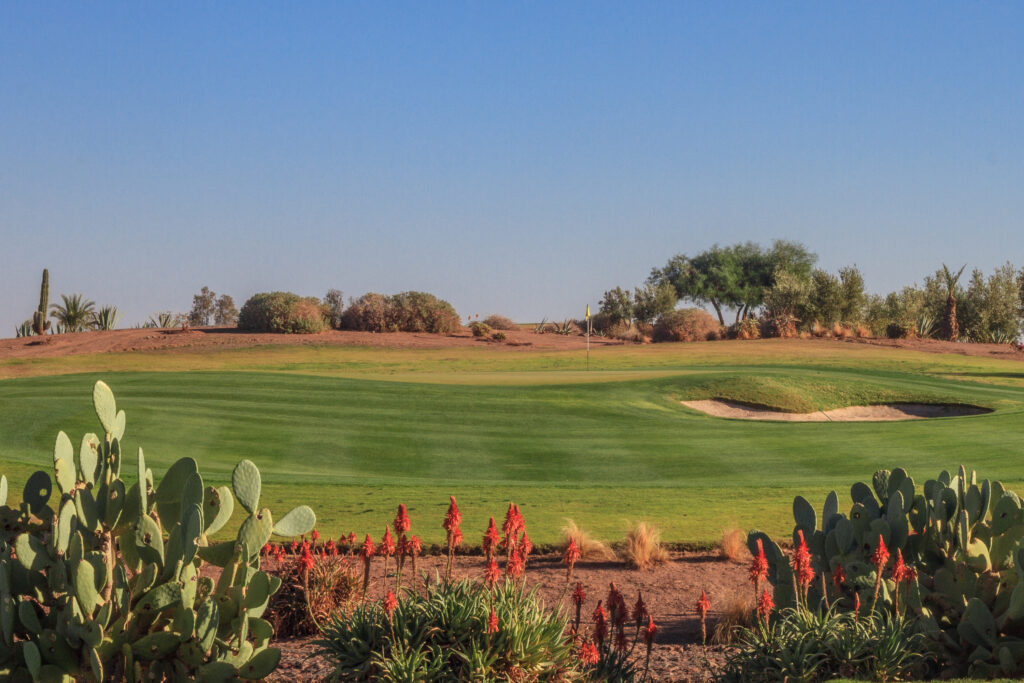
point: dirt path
(670, 590)
(880, 413)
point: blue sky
(517, 158)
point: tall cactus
(39, 322)
(103, 578)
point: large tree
(204, 307)
(226, 312)
(74, 313)
(950, 328)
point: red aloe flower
(352, 538)
(515, 565)
(572, 553)
(387, 544)
(526, 544)
(492, 622)
(491, 539)
(617, 604)
(456, 538)
(880, 557)
(578, 596)
(759, 567)
(600, 624)
(306, 560)
(900, 571)
(589, 656)
(267, 549)
(293, 546)
(856, 602)
(509, 528)
(390, 603)
(401, 522)
(453, 518)
(621, 644)
(839, 577)
(703, 605)
(650, 632)
(315, 535)
(765, 604)
(415, 546)
(802, 569)
(491, 573)
(639, 610)
(367, 550)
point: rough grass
(491, 426)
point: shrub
(685, 325)
(282, 312)
(733, 546)
(737, 615)
(499, 322)
(444, 636)
(748, 328)
(312, 596)
(642, 547)
(479, 329)
(65, 561)
(499, 336)
(591, 549)
(405, 312)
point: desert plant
(282, 312)
(480, 329)
(39, 322)
(925, 325)
(105, 318)
(24, 330)
(590, 548)
(499, 322)
(109, 582)
(642, 547)
(748, 328)
(737, 614)
(566, 328)
(164, 320)
(733, 545)
(684, 325)
(950, 328)
(73, 313)
(499, 336)
(540, 327)
(314, 588)
(450, 634)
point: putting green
(601, 452)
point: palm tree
(74, 314)
(105, 319)
(950, 327)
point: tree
(824, 301)
(950, 328)
(617, 306)
(652, 301)
(852, 299)
(989, 309)
(203, 307)
(334, 300)
(225, 313)
(787, 299)
(74, 313)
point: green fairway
(602, 449)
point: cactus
(39, 322)
(964, 538)
(101, 579)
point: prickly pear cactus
(100, 579)
(962, 537)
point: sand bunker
(881, 413)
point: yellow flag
(588, 311)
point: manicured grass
(557, 442)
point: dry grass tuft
(738, 612)
(734, 546)
(862, 332)
(499, 322)
(642, 547)
(591, 549)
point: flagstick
(589, 325)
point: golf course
(354, 430)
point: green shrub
(405, 312)
(685, 325)
(107, 580)
(479, 329)
(444, 637)
(282, 312)
(499, 336)
(499, 322)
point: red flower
(880, 557)
(617, 604)
(367, 550)
(802, 562)
(578, 596)
(491, 573)
(526, 544)
(401, 521)
(650, 632)
(765, 604)
(839, 576)
(900, 571)
(415, 546)
(589, 656)
(387, 544)
(456, 538)
(490, 541)
(639, 610)
(856, 602)
(315, 535)
(453, 519)
(600, 624)
(390, 603)
(621, 644)
(515, 565)
(293, 546)
(572, 553)
(703, 604)
(512, 526)
(759, 567)
(268, 549)
(306, 560)
(492, 622)
(352, 538)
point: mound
(877, 413)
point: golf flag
(588, 312)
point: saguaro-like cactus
(102, 579)
(39, 322)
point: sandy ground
(670, 590)
(881, 413)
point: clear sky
(516, 158)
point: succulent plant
(961, 536)
(39, 322)
(102, 580)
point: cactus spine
(39, 322)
